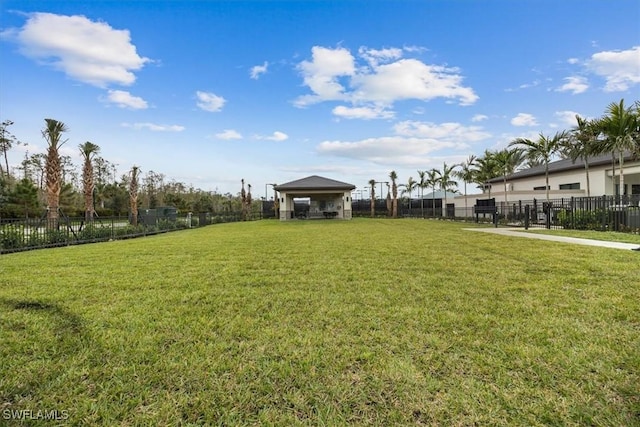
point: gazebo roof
(314, 182)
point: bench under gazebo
(325, 199)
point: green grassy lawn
(378, 322)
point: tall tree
(372, 183)
(249, 200)
(422, 184)
(543, 149)
(620, 127)
(581, 143)
(7, 139)
(507, 161)
(408, 189)
(445, 179)
(394, 190)
(52, 133)
(243, 201)
(389, 202)
(485, 169)
(466, 174)
(133, 194)
(432, 181)
(88, 150)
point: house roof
(315, 182)
(440, 195)
(561, 166)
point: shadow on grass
(41, 342)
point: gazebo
(324, 198)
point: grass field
(365, 322)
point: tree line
(616, 133)
(49, 184)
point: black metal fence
(603, 213)
(18, 234)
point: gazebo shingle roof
(314, 182)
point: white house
(566, 179)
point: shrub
(12, 237)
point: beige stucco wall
(320, 201)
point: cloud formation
(278, 136)
(208, 101)
(413, 145)
(567, 117)
(228, 134)
(87, 51)
(124, 99)
(154, 127)
(575, 85)
(375, 80)
(524, 119)
(619, 68)
(257, 70)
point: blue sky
(209, 92)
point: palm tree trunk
(546, 177)
(621, 160)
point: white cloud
(257, 70)
(278, 136)
(87, 51)
(391, 150)
(411, 79)
(154, 127)
(479, 118)
(374, 56)
(381, 79)
(567, 117)
(414, 144)
(524, 119)
(228, 134)
(322, 72)
(124, 99)
(574, 84)
(210, 101)
(449, 132)
(365, 113)
(573, 61)
(620, 69)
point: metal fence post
(526, 217)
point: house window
(635, 189)
(618, 189)
(542, 188)
(573, 186)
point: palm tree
(6, 142)
(543, 149)
(619, 127)
(133, 194)
(507, 161)
(394, 189)
(582, 143)
(466, 174)
(88, 150)
(243, 201)
(249, 200)
(422, 184)
(445, 179)
(389, 202)
(485, 170)
(372, 183)
(52, 133)
(408, 188)
(432, 181)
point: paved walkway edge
(518, 232)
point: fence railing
(17, 234)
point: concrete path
(519, 232)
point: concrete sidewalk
(519, 232)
